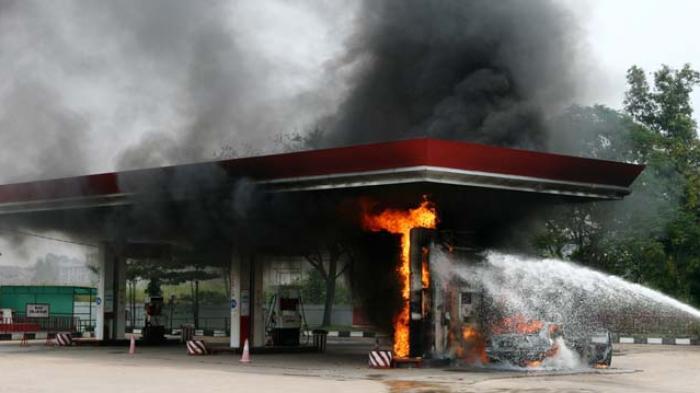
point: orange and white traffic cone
(245, 358)
(132, 345)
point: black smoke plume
(482, 71)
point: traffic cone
(246, 353)
(132, 345)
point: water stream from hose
(581, 299)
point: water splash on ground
(565, 359)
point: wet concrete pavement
(342, 369)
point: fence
(216, 323)
(210, 316)
(217, 317)
(53, 323)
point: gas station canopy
(413, 161)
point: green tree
(674, 152)
(172, 271)
(313, 288)
(192, 270)
(331, 259)
(653, 236)
(666, 109)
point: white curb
(626, 340)
(682, 341)
(654, 340)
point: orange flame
(425, 271)
(517, 324)
(533, 364)
(520, 324)
(474, 346)
(401, 222)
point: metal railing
(52, 323)
(214, 323)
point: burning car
(526, 344)
(529, 343)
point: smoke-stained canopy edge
(410, 161)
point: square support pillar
(258, 300)
(240, 302)
(113, 299)
(120, 298)
(99, 299)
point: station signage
(37, 310)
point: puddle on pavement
(416, 387)
(531, 390)
(525, 372)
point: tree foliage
(186, 268)
(331, 258)
(653, 236)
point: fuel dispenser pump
(440, 310)
(285, 317)
(153, 331)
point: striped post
(64, 339)
(320, 337)
(196, 348)
(380, 359)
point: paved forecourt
(37, 368)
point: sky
(647, 33)
(116, 93)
